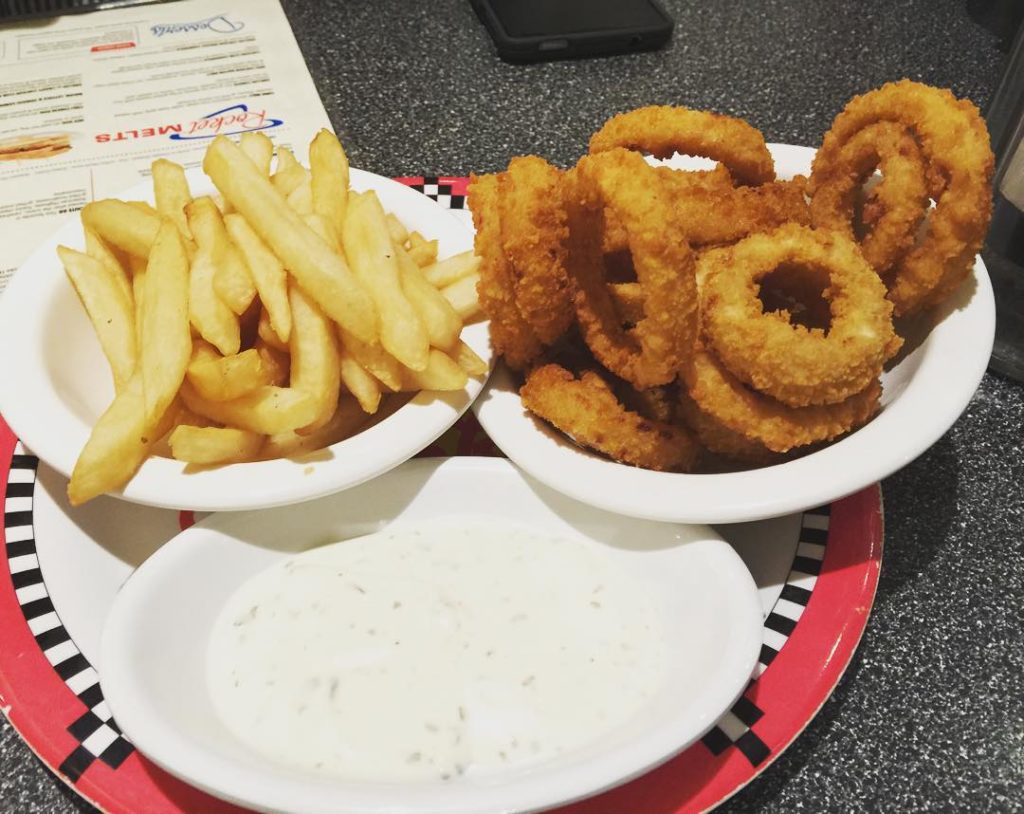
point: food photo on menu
(493, 406)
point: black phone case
(576, 45)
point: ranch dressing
(434, 650)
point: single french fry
(108, 308)
(259, 148)
(468, 359)
(122, 224)
(265, 331)
(232, 280)
(170, 189)
(97, 248)
(322, 273)
(348, 419)
(422, 251)
(399, 234)
(462, 296)
(440, 319)
(369, 249)
(328, 166)
(267, 273)
(289, 173)
(166, 338)
(116, 447)
(210, 315)
(266, 410)
(276, 363)
(374, 359)
(300, 199)
(223, 378)
(138, 296)
(214, 445)
(445, 272)
(212, 319)
(442, 373)
(359, 383)
(315, 358)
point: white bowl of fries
(246, 340)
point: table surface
(930, 715)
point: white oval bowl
(921, 398)
(154, 644)
(56, 382)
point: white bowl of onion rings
(923, 394)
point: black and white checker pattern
(97, 734)
(735, 727)
(442, 193)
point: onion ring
(511, 335)
(789, 362)
(899, 202)
(955, 146)
(652, 352)
(759, 418)
(587, 410)
(664, 130)
(533, 236)
(717, 438)
(713, 212)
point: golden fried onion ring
(588, 411)
(955, 144)
(664, 130)
(652, 352)
(511, 335)
(760, 418)
(900, 198)
(533, 236)
(794, 364)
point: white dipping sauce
(434, 650)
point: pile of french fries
(267, 321)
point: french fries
(223, 378)
(323, 274)
(213, 445)
(456, 267)
(272, 319)
(328, 167)
(110, 310)
(123, 225)
(166, 339)
(373, 257)
(170, 188)
(315, 360)
(211, 317)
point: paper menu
(88, 101)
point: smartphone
(537, 30)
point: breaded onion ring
(588, 411)
(711, 217)
(955, 145)
(715, 437)
(762, 419)
(533, 235)
(664, 130)
(711, 212)
(795, 365)
(511, 335)
(899, 201)
(651, 352)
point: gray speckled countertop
(930, 715)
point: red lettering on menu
(112, 46)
